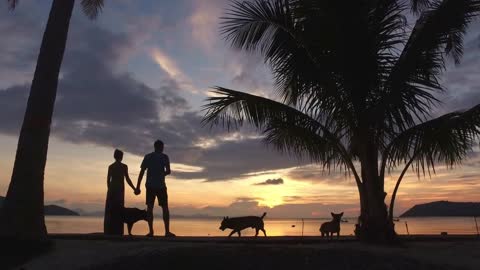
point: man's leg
(166, 218)
(150, 201)
(163, 201)
(150, 219)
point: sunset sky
(141, 72)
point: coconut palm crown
(91, 8)
(356, 86)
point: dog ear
(333, 214)
(227, 217)
(341, 214)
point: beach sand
(77, 252)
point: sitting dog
(239, 223)
(132, 215)
(331, 227)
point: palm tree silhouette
(356, 87)
(22, 215)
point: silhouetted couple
(157, 165)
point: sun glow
(271, 201)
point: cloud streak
(270, 182)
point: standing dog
(240, 223)
(132, 215)
(332, 227)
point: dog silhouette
(331, 227)
(132, 215)
(238, 224)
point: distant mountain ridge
(444, 209)
(52, 210)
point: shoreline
(260, 239)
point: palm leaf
(418, 6)
(270, 28)
(437, 33)
(446, 139)
(414, 80)
(302, 141)
(92, 8)
(232, 109)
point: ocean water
(274, 227)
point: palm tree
(356, 88)
(22, 215)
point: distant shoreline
(52, 210)
(444, 209)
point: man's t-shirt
(155, 164)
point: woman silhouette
(117, 172)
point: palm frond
(92, 8)
(418, 6)
(269, 28)
(250, 25)
(232, 109)
(298, 40)
(446, 139)
(438, 32)
(301, 141)
(410, 89)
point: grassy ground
(273, 253)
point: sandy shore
(96, 252)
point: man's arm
(167, 167)
(143, 167)
(139, 181)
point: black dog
(331, 227)
(132, 215)
(239, 223)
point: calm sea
(274, 227)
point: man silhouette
(157, 165)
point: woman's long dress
(113, 222)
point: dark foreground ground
(78, 252)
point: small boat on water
(396, 219)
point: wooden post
(406, 225)
(303, 223)
(476, 225)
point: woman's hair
(118, 155)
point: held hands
(137, 191)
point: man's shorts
(160, 194)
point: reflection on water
(274, 227)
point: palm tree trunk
(374, 225)
(22, 215)
(397, 185)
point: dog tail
(264, 214)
